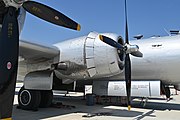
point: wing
(34, 56)
(35, 53)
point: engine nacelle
(88, 57)
(39, 80)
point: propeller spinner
(9, 45)
(125, 49)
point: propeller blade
(127, 63)
(137, 54)
(128, 79)
(9, 47)
(110, 42)
(51, 15)
(126, 27)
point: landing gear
(166, 91)
(32, 99)
(29, 99)
(46, 98)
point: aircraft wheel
(46, 98)
(29, 99)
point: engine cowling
(88, 57)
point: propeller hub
(131, 48)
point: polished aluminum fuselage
(160, 61)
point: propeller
(125, 49)
(49, 14)
(9, 46)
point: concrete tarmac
(74, 108)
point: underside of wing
(34, 53)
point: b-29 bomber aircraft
(96, 56)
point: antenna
(167, 31)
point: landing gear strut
(166, 90)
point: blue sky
(147, 17)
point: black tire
(29, 99)
(46, 98)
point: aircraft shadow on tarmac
(80, 108)
(158, 106)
